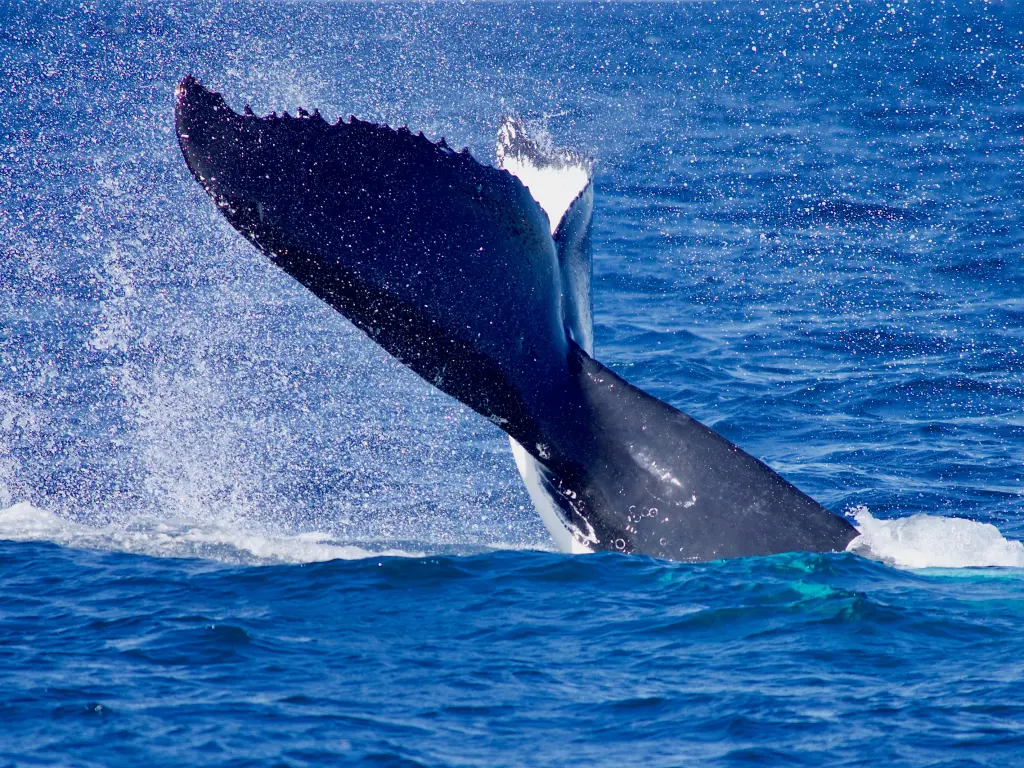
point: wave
(927, 541)
(25, 522)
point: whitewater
(917, 542)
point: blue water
(234, 532)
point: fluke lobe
(453, 268)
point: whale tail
(452, 267)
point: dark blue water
(235, 532)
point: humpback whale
(455, 269)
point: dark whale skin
(450, 266)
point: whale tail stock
(453, 268)
(561, 181)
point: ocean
(234, 532)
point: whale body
(455, 269)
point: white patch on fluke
(926, 541)
(555, 177)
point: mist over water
(808, 235)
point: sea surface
(233, 532)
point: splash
(926, 541)
(25, 522)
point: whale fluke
(453, 268)
(561, 181)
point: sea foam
(927, 541)
(915, 542)
(25, 522)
